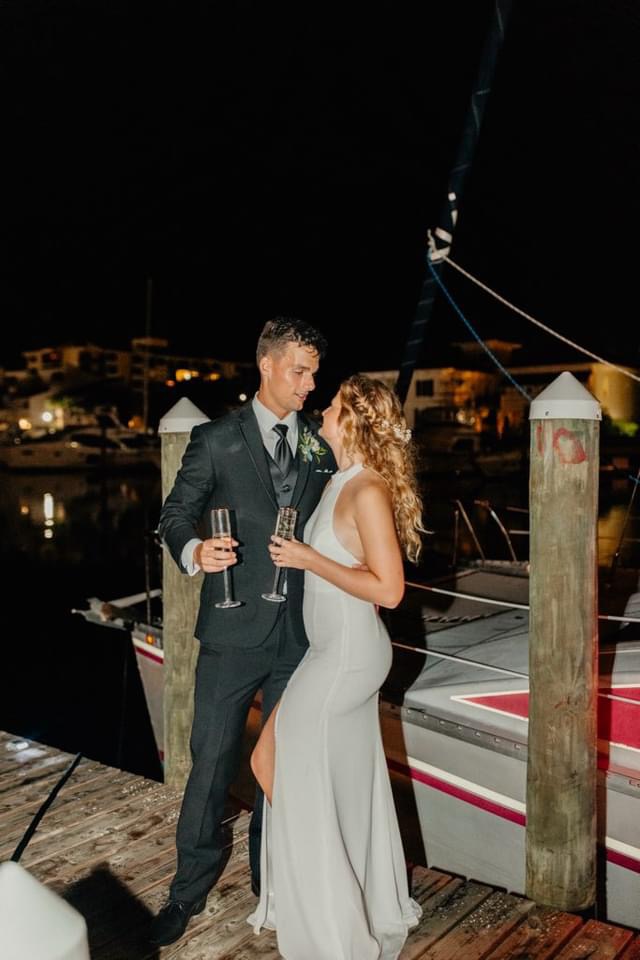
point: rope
(507, 603)
(468, 596)
(31, 829)
(527, 316)
(503, 670)
(473, 332)
(472, 663)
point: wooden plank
(441, 912)
(144, 861)
(92, 785)
(83, 809)
(633, 951)
(264, 946)
(19, 751)
(137, 877)
(597, 941)
(426, 882)
(125, 851)
(42, 765)
(118, 897)
(25, 799)
(481, 931)
(127, 854)
(223, 920)
(94, 840)
(221, 936)
(129, 932)
(540, 937)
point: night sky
(259, 159)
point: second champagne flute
(221, 527)
(285, 528)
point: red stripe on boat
(149, 654)
(617, 722)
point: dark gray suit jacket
(225, 465)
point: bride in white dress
(333, 875)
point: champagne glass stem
(227, 585)
(276, 580)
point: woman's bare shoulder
(369, 487)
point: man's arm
(185, 505)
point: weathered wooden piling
(561, 773)
(180, 607)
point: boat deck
(106, 844)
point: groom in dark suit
(253, 460)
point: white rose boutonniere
(310, 447)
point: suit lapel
(253, 439)
(304, 466)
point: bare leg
(263, 758)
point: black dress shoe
(172, 920)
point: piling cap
(182, 418)
(565, 399)
(35, 922)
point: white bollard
(35, 923)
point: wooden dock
(107, 845)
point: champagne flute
(221, 527)
(285, 528)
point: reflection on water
(61, 517)
(67, 537)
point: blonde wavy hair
(372, 425)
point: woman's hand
(290, 553)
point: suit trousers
(227, 681)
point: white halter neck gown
(333, 876)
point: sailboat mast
(457, 178)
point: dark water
(66, 537)
(66, 682)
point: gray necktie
(282, 453)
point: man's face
(286, 378)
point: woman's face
(330, 428)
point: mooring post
(563, 646)
(180, 597)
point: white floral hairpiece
(400, 433)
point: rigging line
(611, 696)
(472, 330)
(509, 673)
(508, 603)
(468, 596)
(538, 323)
(472, 663)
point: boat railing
(478, 664)
(508, 532)
(613, 618)
(494, 516)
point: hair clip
(400, 433)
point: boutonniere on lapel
(309, 446)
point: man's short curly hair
(278, 333)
